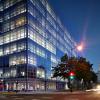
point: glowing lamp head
(80, 48)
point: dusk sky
(82, 20)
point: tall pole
(46, 81)
(16, 86)
(71, 52)
(2, 82)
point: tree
(64, 58)
(94, 77)
(61, 70)
(81, 67)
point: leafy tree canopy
(81, 67)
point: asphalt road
(55, 96)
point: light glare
(80, 48)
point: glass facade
(31, 35)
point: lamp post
(2, 80)
(78, 48)
(16, 86)
(45, 82)
(2, 85)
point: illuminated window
(6, 4)
(6, 16)
(15, 11)
(40, 73)
(16, 60)
(32, 60)
(12, 24)
(12, 60)
(1, 73)
(21, 46)
(17, 34)
(52, 85)
(1, 19)
(13, 36)
(43, 21)
(36, 50)
(1, 40)
(1, 7)
(13, 48)
(43, 2)
(21, 60)
(40, 52)
(53, 58)
(6, 26)
(13, 72)
(20, 21)
(1, 51)
(6, 50)
(50, 47)
(22, 73)
(31, 47)
(7, 74)
(6, 38)
(30, 10)
(41, 41)
(20, 9)
(33, 1)
(37, 38)
(9, 3)
(22, 33)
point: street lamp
(78, 48)
(72, 76)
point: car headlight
(98, 86)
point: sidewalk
(42, 92)
(6, 93)
(51, 92)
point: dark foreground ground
(53, 96)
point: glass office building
(32, 40)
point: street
(54, 96)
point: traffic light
(71, 75)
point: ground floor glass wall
(35, 85)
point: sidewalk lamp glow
(98, 87)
